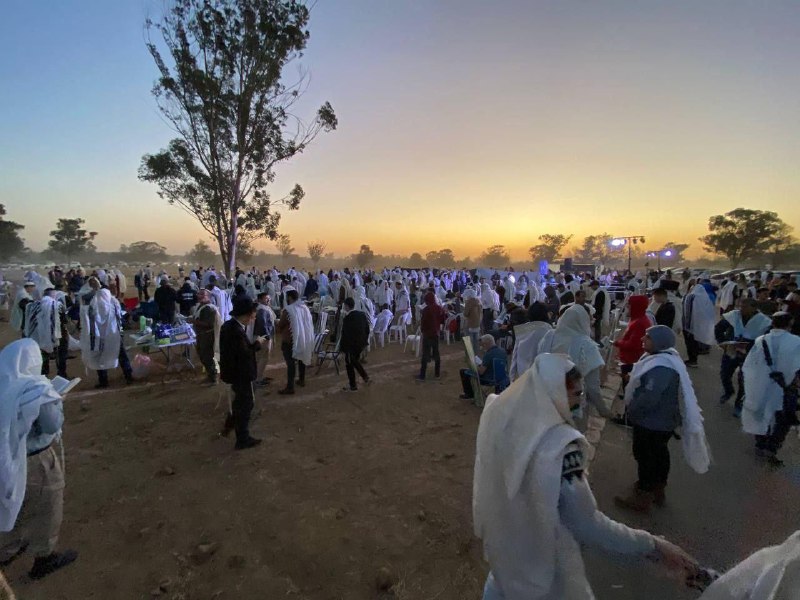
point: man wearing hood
(32, 498)
(532, 503)
(660, 398)
(630, 344)
(432, 318)
(187, 297)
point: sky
(462, 123)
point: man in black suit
(355, 337)
(665, 312)
(238, 368)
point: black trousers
(124, 363)
(784, 420)
(352, 363)
(488, 320)
(60, 356)
(692, 347)
(598, 330)
(727, 368)
(467, 377)
(241, 407)
(430, 350)
(652, 457)
(291, 367)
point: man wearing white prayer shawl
(660, 398)
(770, 404)
(571, 337)
(736, 332)
(532, 503)
(699, 318)
(297, 340)
(221, 299)
(101, 337)
(44, 325)
(528, 336)
(772, 573)
(21, 301)
(31, 474)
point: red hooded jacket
(630, 344)
(433, 316)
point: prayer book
(64, 386)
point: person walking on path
(355, 337)
(432, 318)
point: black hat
(243, 306)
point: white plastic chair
(416, 341)
(380, 329)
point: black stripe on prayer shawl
(572, 465)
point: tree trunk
(234, 234)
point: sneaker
(690, 363)
(45, 565)
(248, 443)
(420, 379)
(347, 388)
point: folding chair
(322, 321)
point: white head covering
(23, 390)
(571, 336)
(522, 436)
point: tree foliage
(221, 89)
(365, 256)
(143, 252)
(316, 250)
(11, 244)
(744, 234)
(443, 259)
(495, 256)
(70, 239)
(550, 247)
(201, 254)
(677, 250)
(284, 245)
(416, 260)
(594, 249)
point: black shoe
(347, 388)
(301, 383)
(129, 380)
(101, 386)
(250, 442)
(44, 566)
(724, 398)
(690, 363)
(620, 420)
(774, 461)
(465, 397)
(15, 556)
(286, 392)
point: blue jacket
(655, 402)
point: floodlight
(667, 253)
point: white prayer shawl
(571, 337)
(302, 326)
(123, 282)
(703, 315)
(102, 276)
(725, 297)
(526, 346)
(23, 391)
(758, 324)
(42, 283)
(17, 314)
(696, 452)
(772, 573)
(763, 397)
(43, 323)
(522, 436)
(100, 332)
(250, 287)
(222, 300)
(403, 300)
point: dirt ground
(348, 493)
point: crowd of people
(543, 344)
